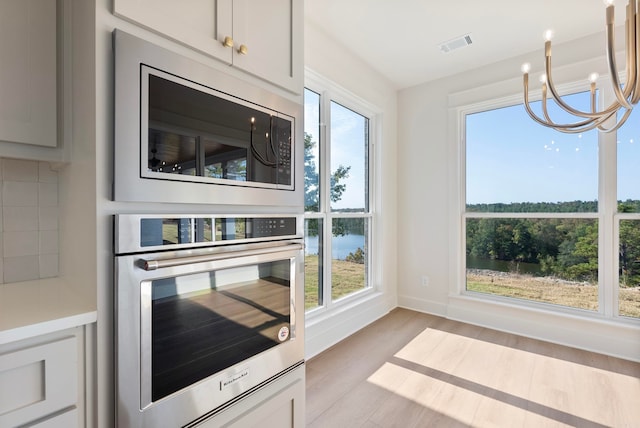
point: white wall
(325, 56)
(428, 205)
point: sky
(347, 147)
(511, 158)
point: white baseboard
(617, 339)
(322, 332)
(422, 305)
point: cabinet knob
(228, 42)
(243, 50)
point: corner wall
(326, 57)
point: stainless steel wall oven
(187, 133)
(208, 309)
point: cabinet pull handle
(243, 50)
(228, 42)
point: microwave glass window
(205, 322)
(193, 132)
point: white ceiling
(401, 38)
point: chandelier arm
(619, 123)
(614, 106)
(559, 100)
(636, 59)
(630, 89)
(573, 128)
(535, 117)
(611, 61)
(554, 125)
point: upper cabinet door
(268, 40)
(199, 24)
(28, 72)
(262, 37)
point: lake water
(341, 246)
(504, 266)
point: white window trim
(330, 91)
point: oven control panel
(142, 232)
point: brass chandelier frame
(626, 95)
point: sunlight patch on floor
(487, 381)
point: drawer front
(68, 419)
(38, 381)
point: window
(539, 204)
(338, 218)
(628, 217)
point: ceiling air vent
(457, 43)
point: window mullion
(608, 205)
(325, 192)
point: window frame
(329, 92)
(607, 217)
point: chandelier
(627, 95)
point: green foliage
(566, 248)
(629, 253)
(356, 257)
(538, 207)
(312, 178)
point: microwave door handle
(150, 265)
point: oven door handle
(150, 265)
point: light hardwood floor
(410, 369)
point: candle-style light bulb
(593, 77)
(608, 2)
(543, 79)
(548, 35)
(526, 68)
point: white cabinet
(263, 38)
(279, 404)
(28, 72)
(40, 381)
(272, 33)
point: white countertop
(33, 308)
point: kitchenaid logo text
(233, 379)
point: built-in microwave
(186, 132)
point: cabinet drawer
(67, 419)
(38, 381)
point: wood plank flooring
(410, 369)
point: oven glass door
(194, 133)
(199, 324)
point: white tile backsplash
(23, 268)
(47, 194)
(16, 244)
(19, 170)
(19, 194)
(48, 218)
(48, 242)
(29, 238)
(15, 219)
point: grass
(549, 290)
(346, 278)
